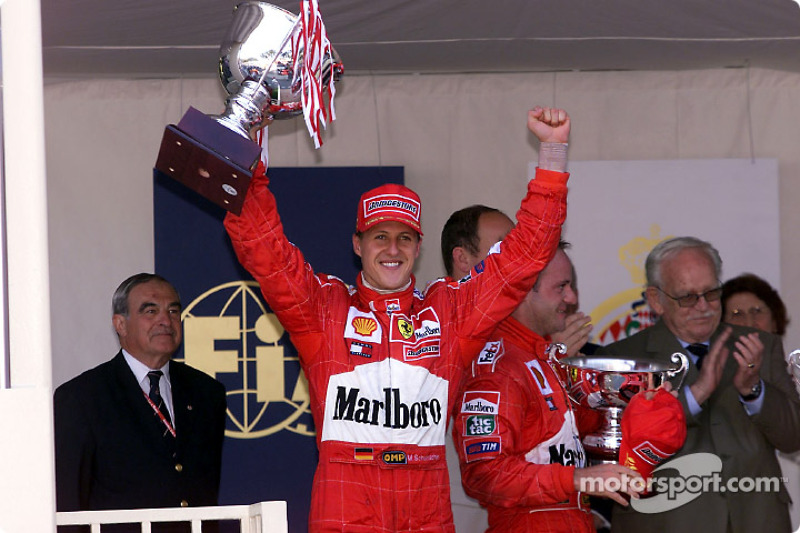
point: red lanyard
(161, 416)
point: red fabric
(390, 202)
(526, 482)
(384, 369)
(652, 431)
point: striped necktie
(700, 350)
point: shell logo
(364, 326)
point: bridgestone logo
(390, 413)
(379, 204)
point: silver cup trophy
(794, 366)
(608, 384)
(215, 155)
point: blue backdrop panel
(270, 447)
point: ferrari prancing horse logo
(405, 327)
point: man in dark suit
(124, 439)
(738, 398)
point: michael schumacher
(383, 360)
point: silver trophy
(794, 366)
(215, 155)
(608, 384)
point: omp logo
(405, 327)
(230, 335)
(364, 326)
(394, 458)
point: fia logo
(230, 335)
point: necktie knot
(700, 350)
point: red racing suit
(383, 368)
(518, 439)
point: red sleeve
(494, 469)
(288, 283)
(503, 279)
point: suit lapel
(182, 401)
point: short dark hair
(762, 290)
(461, 229)
(119, 302)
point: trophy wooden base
(209, 158)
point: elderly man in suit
(738, 397)
(140, 430)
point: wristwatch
(755, 392)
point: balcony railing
(263, 517)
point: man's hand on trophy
(550, 125)
(266, 121)
(600, 479)
(711, 370)
(575, 334)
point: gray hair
(669, 248)
(119, 302)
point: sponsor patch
(650, 453)
(480, 425)
(393, 306)
(550, 403)
(364, 454)
(430, 350)
(480, 402)
(490, 353)
(405, 328)
(361, 349)
(475, 450)
(536, 371)
(394, 457)
(362, 326)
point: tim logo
(394, 458)
(479, 449)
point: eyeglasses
(690, 300)
(741, 314)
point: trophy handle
(680, 372)
(557, 348)
(794, 366)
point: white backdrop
(623, 208)
(461, 138)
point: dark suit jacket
(110, 448)
(746, 445)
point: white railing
(263, 517)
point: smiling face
(544, 309)
(388, 251)
(689, 271)
(152, 330)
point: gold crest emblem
(405, 327)
(364, 326)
